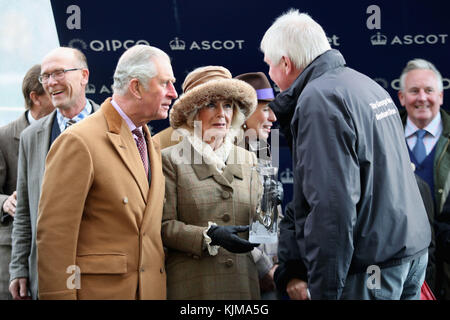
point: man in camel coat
(99, 224)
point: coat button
(142, 269)
(161, 270)
(225, 194)
(125, 200)
(226, 217)
(229, 262)
(441, 190)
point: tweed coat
(9, 152)
(33, 148)
(97, 212)
(196, 194)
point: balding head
(67, 89)
(71, 53)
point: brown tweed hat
(211, 83)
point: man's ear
(34, 98)
(401, 97)
(135, 88)
(288, 65)
(291, 72)
(85, 76)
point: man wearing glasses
(64, 76)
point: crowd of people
(95, 207)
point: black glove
(226, 237)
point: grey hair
(421, 64)
(297, 36)
(136, 63)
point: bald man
(64, 76)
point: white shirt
(30, 117)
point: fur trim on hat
(239, 92)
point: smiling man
(64, 76)
(427, 133)
(99, 226)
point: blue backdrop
(376, 37)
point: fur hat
(260, 83)
(209, 83)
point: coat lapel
(21, 124)
(123, 142)
(42, 143)
(157, 188)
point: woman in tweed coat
(208, 191)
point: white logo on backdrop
(287, 176)
(179, 45)
(105, 45)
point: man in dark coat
(357, 227)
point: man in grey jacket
(357, 227)
(64, 76)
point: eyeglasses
(56, 75)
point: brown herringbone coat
(9, 151)
(196, 194)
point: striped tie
(69, 123)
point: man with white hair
(427, 134)
(357, 227)
(99, 226)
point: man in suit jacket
(37, 105)
(64, 76)
(99, 224)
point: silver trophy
(264, 217)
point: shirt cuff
(213, 250)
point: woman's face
(216, 119)
(261, 120)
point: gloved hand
(226, 237)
